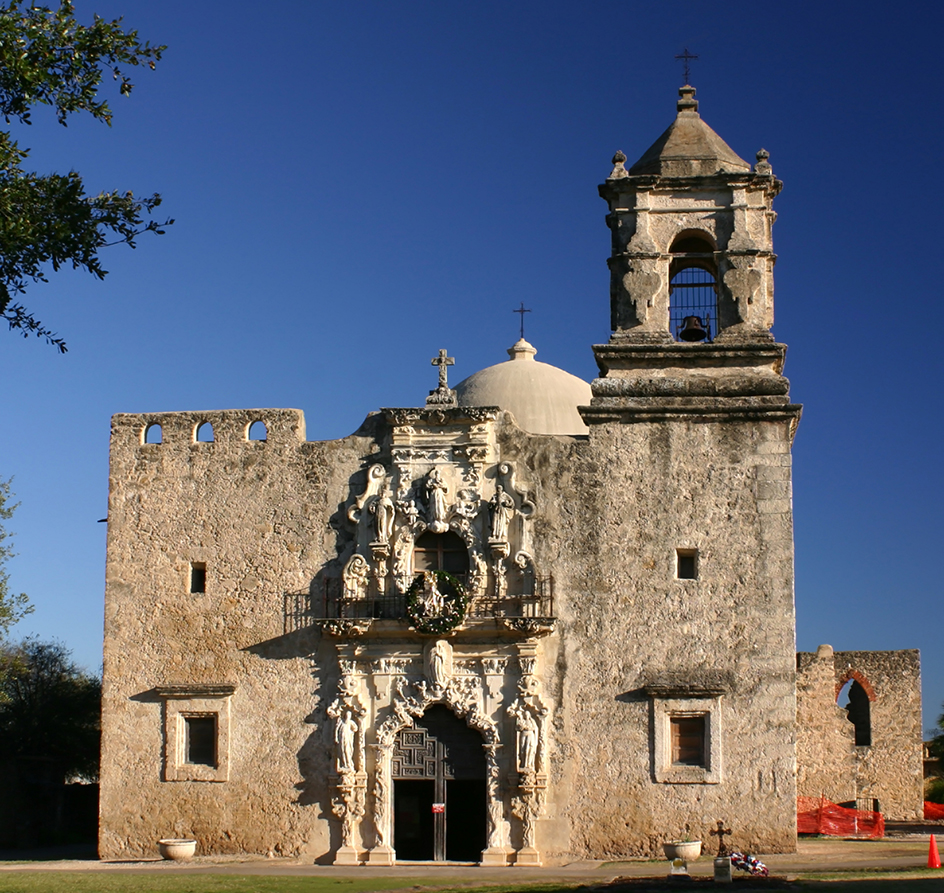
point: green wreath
(425, 615)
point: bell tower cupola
(691, 275)
(691, 204)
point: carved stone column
(348, 805)
(497, 852)
(531, 719)
(382, 852)
(527, 806)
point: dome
(543, 398)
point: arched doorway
(439, 761)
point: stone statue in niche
(384, 513)
(502, 510)
(436, 511)
(345, 736)
(439, 664)
(527, 740)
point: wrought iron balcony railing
(527, 596)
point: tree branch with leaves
(13, 606)
(49, 221)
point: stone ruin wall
(830, 763)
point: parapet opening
(257, 431)
(858, 711)
(153, 434)
(205, 433)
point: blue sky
(359, 184)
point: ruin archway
(440, 791)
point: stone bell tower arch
(691, 202)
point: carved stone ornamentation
(376, 476)
(437, 511)
(501, 510)
(439, 668)
(527, 806)
(347, 732)
(619, 167)
(384, 512)
(349, 798)
(529, 721)
(533, 627)
(382, 852)
(346, 627)
(356, 576)
(443, 396)
(497, 851)
(348, 805)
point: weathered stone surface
(889, 769)
(619, 648)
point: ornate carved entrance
(439, 761)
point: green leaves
(13, 606)
(49, 708)
(47, 58)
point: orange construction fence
(934, 811)
(817, 815)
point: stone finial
(687, 101)
(763, 166)
(824, 651)
(619, 171)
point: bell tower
(691, 277)
(691, 533)
(691, 203)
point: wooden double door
(439, 790)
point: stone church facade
(449, 637)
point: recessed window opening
(688, 740)
(198, 577)
(693, 290)
(200, 743)
(858, 711)
(441, 551)
(153, 434)
(205, 433)
(686, 567)
(258, 431)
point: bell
(692, 329)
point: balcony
(527, 598)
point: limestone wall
(616, 512)
(632, 642)
(831, 765)
(257, 515)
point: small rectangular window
(688, 741)
(200, 746)
(687, 564)
(198, 577)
